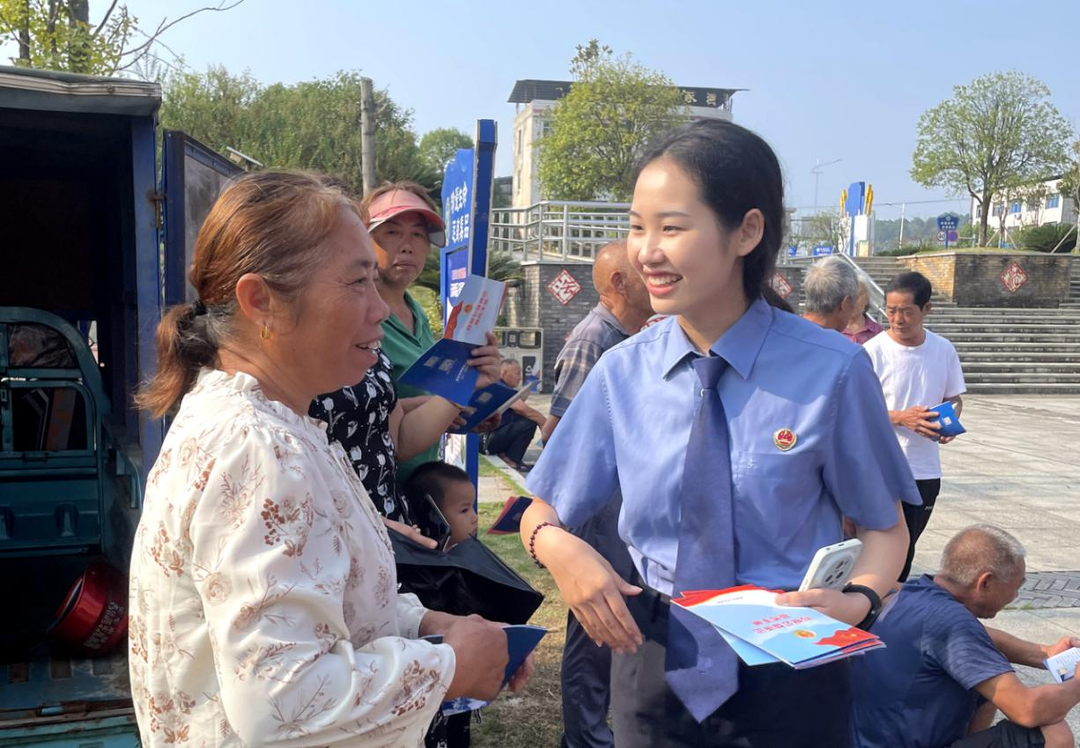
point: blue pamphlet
(761, 631)
(950, 423)
(491, 400)
(510, 519)
(521, 640)
(443, 368)
(484, 403)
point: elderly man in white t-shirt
(918, 370)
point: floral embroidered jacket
(264, 605)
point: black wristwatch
(875, 604)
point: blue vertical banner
(466, 198)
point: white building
(534, 100)
(1054, 207)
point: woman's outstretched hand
(593, 590)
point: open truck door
(192, 177)
(80, 300)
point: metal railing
(876, 308)
(875, 292)
(557, 230)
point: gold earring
(265, 333)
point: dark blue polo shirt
(919, 691)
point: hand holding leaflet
(443, 369)
(950, 422)
(1063, 666)
(492, 400)
(521, 640)
(800, 637)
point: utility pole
(816, 171)
(367, 134)
(901, 242)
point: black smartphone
(437, 523)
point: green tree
(1069, 187)
(600, 129)
(1050, 237)
(439, 146)
(308, 125)
(995, 134)
(60, 35)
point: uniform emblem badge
(784, 439)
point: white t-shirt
(927, 374)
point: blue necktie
(699, 666)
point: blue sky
(827, 79)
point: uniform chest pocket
(776, 488)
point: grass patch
(534, 717)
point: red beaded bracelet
(532, 542)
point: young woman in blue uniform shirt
(800, 402)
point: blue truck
(93, 246)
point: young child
(453, 493)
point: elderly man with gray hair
(829, 293)
(944, 675)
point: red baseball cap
(396, 202)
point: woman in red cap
(404, 225)
(368, 419)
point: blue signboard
(948, 222)
(466, 199)
(823, 249)
(457, 200)
(792, 251)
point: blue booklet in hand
(950, 423)
(491, 400)
(510, 519)
(443, 369)
(761, 631)
(521, 640)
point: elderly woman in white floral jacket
(264, 603)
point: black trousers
(775, 706)
(512, 440)
(917, 517)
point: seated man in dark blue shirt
(927, 688)
(518, 426)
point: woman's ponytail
(185, 344)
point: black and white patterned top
(358, 417)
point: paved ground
(1019, 468)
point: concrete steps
(1035, 358)
(1023, 388)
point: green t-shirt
(403, 346)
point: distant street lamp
(816, 171)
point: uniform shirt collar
(739, 346)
